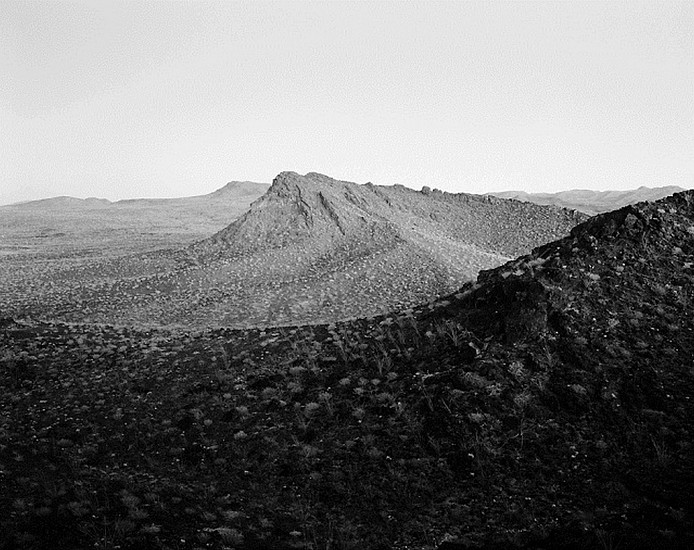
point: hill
(549, 405)
(592, 202)
(62, 202)
(311, 249)
(233, 189)
(99, 227)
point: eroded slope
(311, 249)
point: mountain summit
(318, 248)
(297, 208)
(310, 249)
(319, 209)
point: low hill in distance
(548, 405)
(592, 202)
(69, 226)
(311, 249)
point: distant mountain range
(233, 189)
(236, 196)
(100, 227)
(591, 202)
(312, 248)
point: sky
(126, 99)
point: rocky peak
(291, 183)
(284, 182)
(312, 208)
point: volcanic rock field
(344, 366)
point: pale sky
(163, 99)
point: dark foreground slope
(549, 405)
(311, 249)
(592, 202)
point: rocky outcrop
(313, 249)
